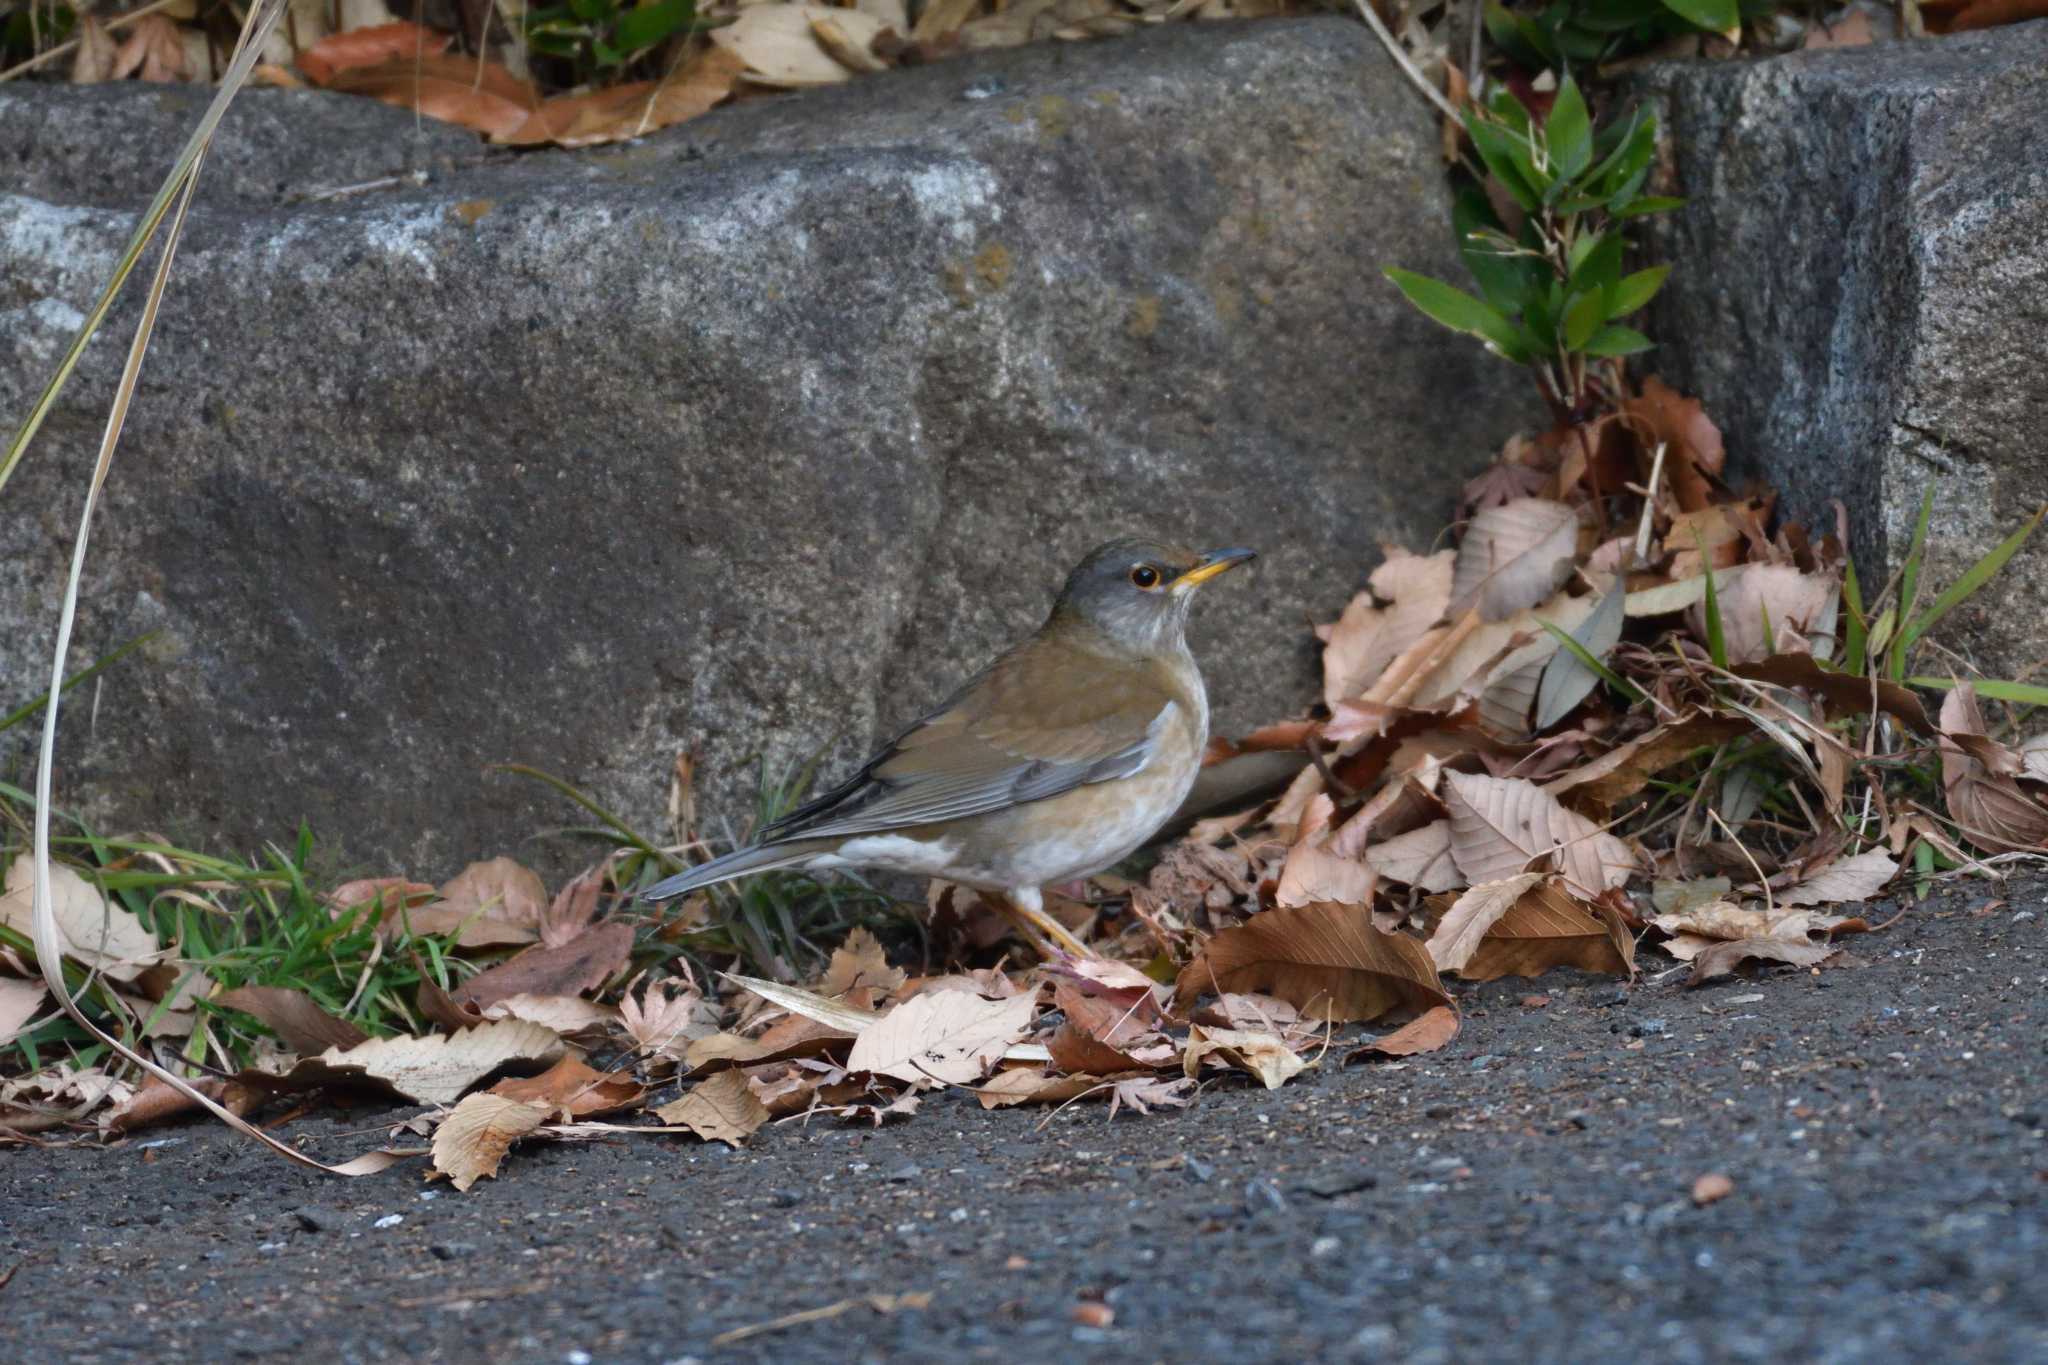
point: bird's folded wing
(1036, 724)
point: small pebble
(449, 1251)
(1198, 1170)
(1324, 1246)
(313, 1218)
(1650, 1028)
(785, 1199)
(909, 1170)
(1710, 1187)
(1089, 1313)
(389, 1220)
(1263, 1194)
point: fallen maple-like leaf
(780, 47)
(1458, 933)
(435, 1069)
(154, 50)
(720, 1109)
(1499, 825)
(859, 965)
(952, 1037)
(572, 1090)
(1264, 1055)
(1076, 1051)
(1428, 1031)
(372, 45)
(94, 931)
(1326, 960)
(620, 112)
(1694, 455)
(472, 1141)
(1545, 928)
(478, 94)
(666, 1019)
(1031, 1085)
(1146, 1093)
(299, 1023)
(1514, 556)
(500, 889)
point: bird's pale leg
(1026, 910)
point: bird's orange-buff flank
(1061, 757)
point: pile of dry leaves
(1620, 712)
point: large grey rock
(1861, 295)
(754, 437)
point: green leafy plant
(1553, 291)
(33, 28)
(601, 37)
(1566, 33)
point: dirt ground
(1524, 1194)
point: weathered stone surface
(1861, 295)
(754, 437)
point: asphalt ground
(1525, 1194)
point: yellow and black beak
(1212, 564)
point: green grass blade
(1717, 638)
(1953, 596)
(98, 666)
(1909, 587)
(2024, 694)
(1858, 633)
(617, 825)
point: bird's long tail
(738, 863)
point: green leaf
(651, 24)
(1505, 280)
(1648, 204)
(1596, 262)
(1717, 638)
(1712, 16)
(1518, 38)
(2024, 694)
(1635, 290)
(1858, 631)
(1909, 586)
(1585, 313)
(1459, 311)
(1507, 157)
(1614, 340)
(1976, 577)
(1569, 132)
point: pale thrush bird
(1057, 760)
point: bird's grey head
(1135, 592)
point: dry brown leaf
(447, 87)
(500, 889)
(582, 964)
(1458, 933)
(1428, 1031)
(299, 1023)
(721, 1109)
(780, 48)
(1750, 596)
(570, 1090)
(95, 932)
(568, 1015)
(859, 964)
(1622, 772)
(1993, 811)
(620, 112)
(20, 1002)
(1997, 13)
(1313, 872)
(435, 1069)
(94, 60)
(472, 1141)
(1108, 1021)
(1846, 879)
(1368, 637)
(1463, 669)
(951, 1037)
(1514, 556)
(666, 1018)
(1500, 825)
(1694, 456)
(1146, 1093)
(153, 50)
(2034, 759)
(1421, 858)
(1723, 958)
(1076, 1051)
(1327, 960)
(1031, 1085)
(1264, 1055)
(370, 46)
(158, 1102)
(1548, 928)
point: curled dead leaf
(1428, 1031)
(720, 1109)
(472, 1141)
(1513, 556)
(1327, 960)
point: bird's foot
(1045, 934)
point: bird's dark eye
(1145, 576)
